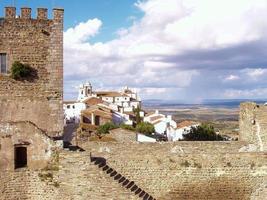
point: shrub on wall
(20, 71)
(145, 127)
(105, 128)
(127, 127)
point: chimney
(25, 13)
(10, 12)
(42, 13)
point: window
(3, 65)
(68, 106)
(73, 107)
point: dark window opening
(3, 65)
(97, 120)
(20, 157)
(86, 120)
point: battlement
(26, 13)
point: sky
(186, 50)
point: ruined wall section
(41, 149)
(253, 125)
(39, 43)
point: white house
(160, 122)
(175, 134)
(72, 111)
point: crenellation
(10, 12)
(42, 13)
(26, 13)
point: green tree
(204, 132)
(105, 128)
(137, 115)
(145, 127)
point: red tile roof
(186, 123)
(92, 101)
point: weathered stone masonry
(253, 125)
(39, 43)
(31, 111)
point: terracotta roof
(149, 114)
(156, 118)
(128, 91)
(156, 122)
(69, 102)
(110, 94)
(92, 101)
(98, 110)
(185, 124)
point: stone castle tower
(39, 43)
(31, 111)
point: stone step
(120, 179)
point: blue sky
(114, 13)
(187, 50)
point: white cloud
(82, 32)
(256, 73)
(168, 28)
(232, 78)
(246, 93)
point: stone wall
(39, 43)
(29, 185)
(253, 125)
(166, 171)
(40, 147)
(122, 135)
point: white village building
(126, 99)
(184, 127)
(121, 103)
(166, 126)
(160, 122)
(72, 111)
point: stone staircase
(120, 179)
(80, 179)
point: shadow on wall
(70, 147)
(221, 188)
